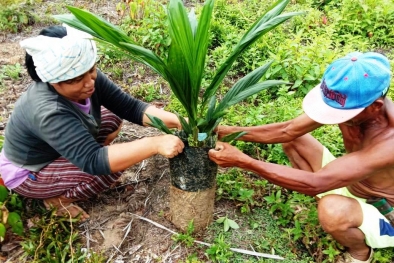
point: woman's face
(79, 88)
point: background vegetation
(273, 219)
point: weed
(186, 238)
(11, 71)
(192, 259)
(219, 251)
(10, 212)
(14, 18)
(227, 223)
(146, 91)
(54, 239)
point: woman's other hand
(169, 145)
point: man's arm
(341, 172)
(275, 132)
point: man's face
(360, 118)
(79, 88)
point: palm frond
(232, 136)
(158, 123)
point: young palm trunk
(192, 191)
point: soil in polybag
(192, 170)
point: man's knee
(288, 147)
(339, 213)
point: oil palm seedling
(184, 69)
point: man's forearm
(268, 134)
(274, 133)
(290, 178)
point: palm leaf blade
(157, 123)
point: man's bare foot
(348, 258)
(65, 207)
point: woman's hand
(169, 145)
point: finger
(219, 146)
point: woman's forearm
(123, 155)
(169, 119)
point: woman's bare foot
(65, 207)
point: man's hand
(220, 131)
(226, 155)
(169, 145)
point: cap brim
(319, 111)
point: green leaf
(18, 228)
(243, 84)
(253, 90)
(226, 226)
(220, 220)
(185, 125)
(13, 218)
(232, 136)
(233, 224)
(2, 232)
(3, 193)
(157, 123)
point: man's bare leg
(341, 216)
(305, 153)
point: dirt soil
(143, 190)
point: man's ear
(377, 104)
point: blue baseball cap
(349, 85)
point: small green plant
(219, 251)
(147, 91)
(192, 259)
(14, 18)
(277, 205)
(364, 20)
(146, 24)
(331, 252)
(54, 239)
(186, 238)
(185, 66)
(11, 71)
(234, 185)
(227, 223)
(10, 211)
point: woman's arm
(124, 155)
(169, 119)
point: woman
(57, 141)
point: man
(353, 95)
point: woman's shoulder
(40, 98)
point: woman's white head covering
(60, 59)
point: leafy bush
(363, 19)
(54, 239)
(10, 212)
(14, 18)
